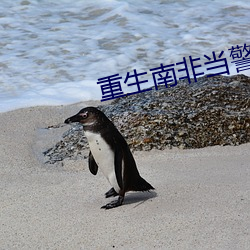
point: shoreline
(201, 198)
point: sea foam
(53, 53)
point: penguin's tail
(141, 185)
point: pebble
(211, 111)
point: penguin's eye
(84, 115)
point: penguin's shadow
(137, 198)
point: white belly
(104, 157)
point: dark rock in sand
(212, 111)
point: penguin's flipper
(111, 193)
(93, 167)
(118, 166)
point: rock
(212, 111)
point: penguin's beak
(74, 118)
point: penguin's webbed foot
(113, 204)
(111, 193)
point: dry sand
(201, 201)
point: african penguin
(110, 152)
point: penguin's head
(88, 117)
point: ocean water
(54, 52)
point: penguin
(110, 152)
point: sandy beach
(201, 198)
